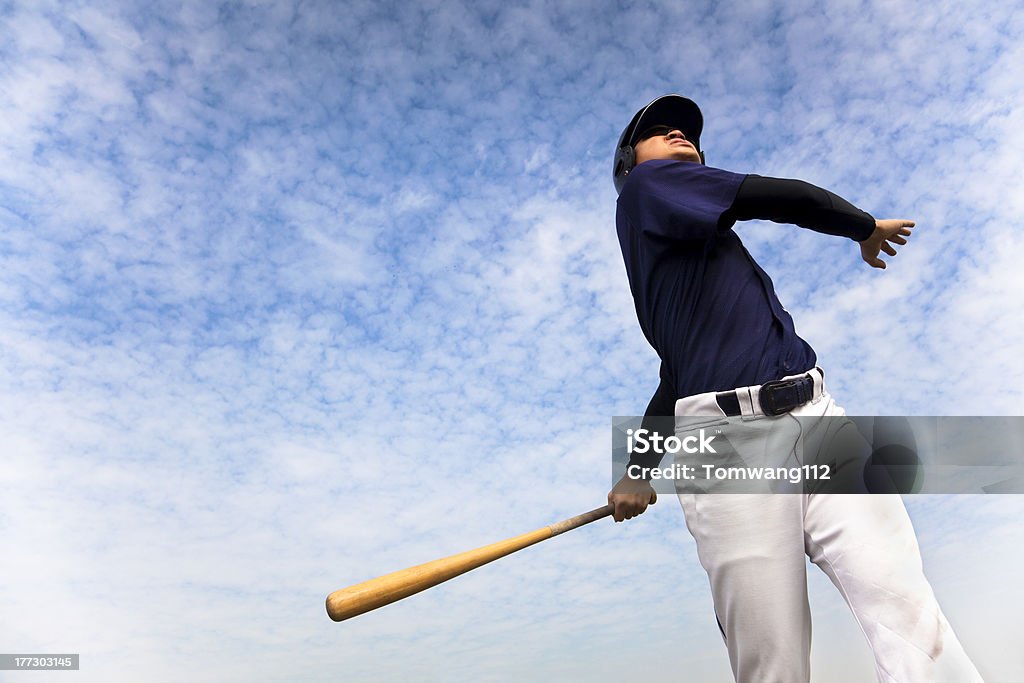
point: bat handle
(580, 520)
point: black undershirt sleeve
(800, 203)
(658, 419)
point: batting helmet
(668, 110)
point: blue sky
(296, 294)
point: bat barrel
(383, 590)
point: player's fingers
(898, 240)
(888, 249)
(616, 508)
(627, 508)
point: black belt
(776, 397)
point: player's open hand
(887, 232)
(631, 497)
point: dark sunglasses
(656, 130)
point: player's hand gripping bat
(383, 590)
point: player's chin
(688, 154)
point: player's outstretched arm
(887, 232)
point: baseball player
(729, 349)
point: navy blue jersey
(706, 307)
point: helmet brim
(669, 110)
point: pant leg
(752, 547)
(867, 547)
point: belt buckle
(766, 399)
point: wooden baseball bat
(383, 590)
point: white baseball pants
(753, 546)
